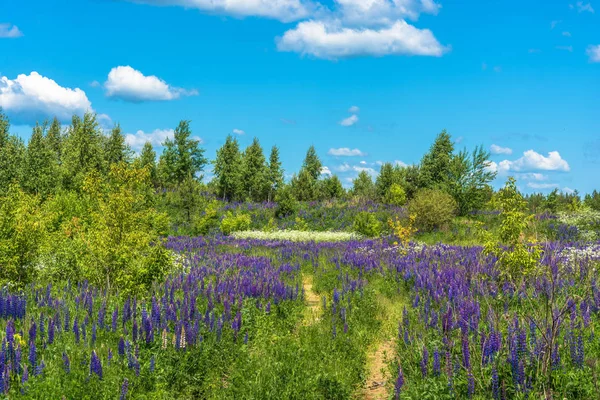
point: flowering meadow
(232, 322)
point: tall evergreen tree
(275, 173)
(182, 156)
(435, 165)
(40, 175)
(312, 164)
(115, 148)
(254, 173)
(54, 138)
(363, 186)
(227, 170)
(388, 175)
(331, 188)
(147, 159)
(83, 150)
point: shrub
(286, 202)
(209, 220)
(235, 223)
(434, 209)
(395, 196)
(367, 224)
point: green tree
(254, 172)
(388, 175)
(396, 195)
(54, 138)
(22, 229)
(181, 157)
(331, 188)
(363, 186)
(12, 154)
(83, 150)
(115, 148)
(304, 186)
(147, 159)
(40, 175)
(275, 173)
(312, 164)
(435, 165)
(469, 179)
(409, 177)
(227, 169)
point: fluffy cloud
(351, 120)
(491, 166)
(345, 152)
(33, 97)
(131, 85)
(593, 53)
(400, 163)
(283, 10)
(239, 132)
(325, 170)
(354, 110)
(383, 12)
(156, 138)
(8, 31)
(532, 161)
(495, 149)
(345, 167)
(332, 40)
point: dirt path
(378, 374)
(312, 312)
(378, 382)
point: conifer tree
(147, 159)
(254, 173)
(54, 138)
(40, 175)
(115, 149)
(275, 173)
(435, 165)
(182, 157)
(227, 170)
(363, 186)
(12, 155)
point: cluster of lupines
(459, 307)
(204, 302)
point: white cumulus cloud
(332, 40)
(354, 110)
(593, 53)
(351, 120)
(156, 138)
(581, 7)
(325, 170)
(129, 84)
(383, 12)
(283, 10)
(239, 132)
(495, 149)
(532, 161)
(533, 176)
(8, 31)
(534, 185)
(345, 152)
(30, 98)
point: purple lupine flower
(32, 332)
(76, 329)
(121, 347)
(94, 333)
(399, 383)
(40, 368)
(32, 355)
(51, 329)
(115, 317)
(66, 362)
(96, 365)
(124, 388)
(436, 363)
(466, 352)
(425, 362)
(470, 385)
(152, 363)
(495, 384)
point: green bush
(433, 209)
(395, 195)
(207, 221)
(286, 202)
(367, 224)
(235, 223)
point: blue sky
(365, 81)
